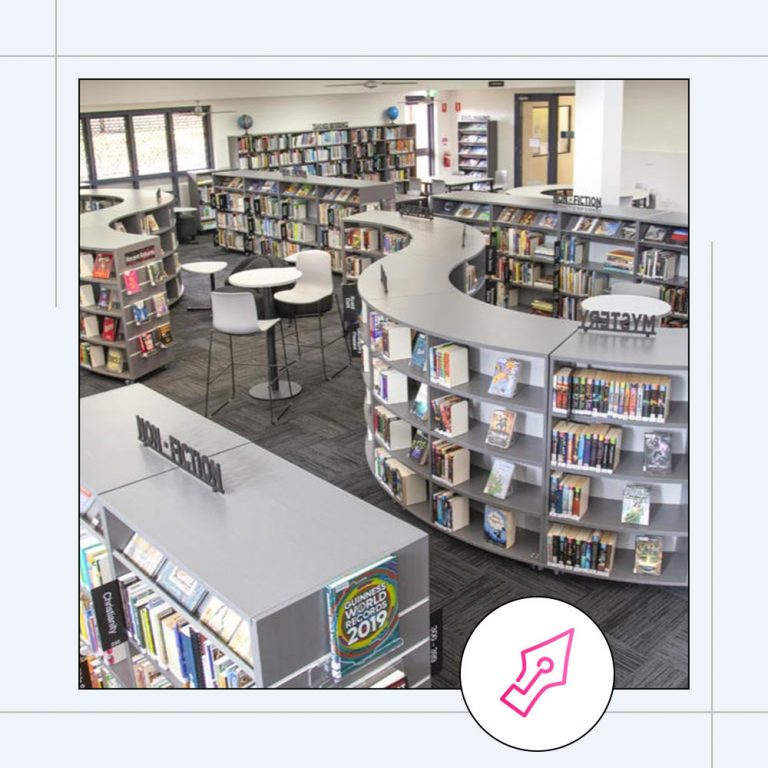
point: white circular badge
(537, 674)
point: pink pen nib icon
(544, 666)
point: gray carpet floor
(324, 432)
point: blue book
(419, 354)
(184, 646)
(363, 616)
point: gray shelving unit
(266, 547)
(98, 235)
(424, 294)
(674, 289)
(477, 146)
(374, 152)
(200, 186)
(244, 225)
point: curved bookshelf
(425, 293)
(136, 230)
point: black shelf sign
(110, 618)
(182, 455)
(618, 322)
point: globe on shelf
(244, 122)
(392, 113)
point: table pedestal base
(261, 391)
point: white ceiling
(99, 93)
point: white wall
(655, 140)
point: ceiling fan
(373, 83)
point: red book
(131, 281)
(109, 329)
(102, 266)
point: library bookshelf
(375, 152)
(477, 143)
(125, 329)
(425, 295)
(200, 186)
(544, 258)
(279, 215)
(265, 548)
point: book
(148, 557)
(240, 642)
(636, 505)
(657, 453)
(102, 266)
(584, 224)
(649, 553)
(219, 618)
(86, 264)
(418, 450)
(547, 219)
(180, 585)
(147, 343)
(606, 227)
(131, 282)
(363, 616)
(504, 380)
(109, 328)
(655, 234)
(499, 526)
(87, 298)
(500, 479)
(627, 230)
(89, 326)
(394, 679)
(501, 428)
(115, 360)
(161, 304)
(156, 272)
(150, 223)
(419, 406)
(163, 334)
(467, 211)
(679, 235)
(419, 353)
(140, 312)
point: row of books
(387, 162)
(450, 462)
(581, 549)
(332, 214)
(677, 298)
(354, 265)
(391, 429)
(108, 298)
(153, 341)
(95, 564)
(568, 495)
(105, 328)
(595, 392)
(589, 225)
(403, 483)
(516, 242)
(395, 241)
(596, 447)
(229, 201)
(449, 364)
(318, 138)
(152, 307)
(529, 218)
(581, 281)
(132, 280)
(225, 623)
(620, 260)
(545, 307)
(95, 674)
(450, 511)
(362, 238)
(656, 264)
(93, 356)
(158, 628)
(466, 210)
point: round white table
(269, 278)
(204, 268)
(291, 258)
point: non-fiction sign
(182, 455)
(585, 201)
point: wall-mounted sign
(329, 126)
(585, 201)
(182, 455)
(495, 83)
(618, 322)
